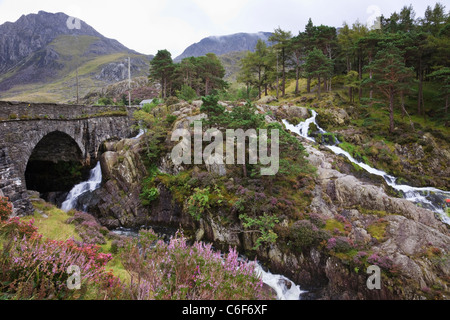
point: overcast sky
(147, 26)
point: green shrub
(198, 203)
(171, 119)
(186, 93)
(264, 225)
(105, 101)
(305, 235)
(171, 101)
(149, 195)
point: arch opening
(55, 166)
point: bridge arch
(87, 127)
(55, 165)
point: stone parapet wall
(35, 111)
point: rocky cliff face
(41, 48)
(34, 32)
(409, 243)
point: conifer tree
(161, 70)
(318, 65)
(390, 76)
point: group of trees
(310, 54)
(196, 75)
(390, 60)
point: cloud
(147, 26)
(220, 11)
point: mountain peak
(44, 47)
(224, 44)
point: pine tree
(390, 76)
(443, 75)
(281, 40)
(318, 65)
(161, 70)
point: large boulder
(267, 100)
(332, 117)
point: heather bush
(176, 271)
(34, 269)
(383, 262)
(360, 257)
(88, 228)
(339, 244)
(19, 228)
(317, 219)
(5, 208)
(305, 235)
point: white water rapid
(285, 288)
(95, 179)
(427, 197)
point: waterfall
(285, 288)
(94, 181)
(427, 197)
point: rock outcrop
(409, 243)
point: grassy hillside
(72, 52)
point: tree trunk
(244, 170)
(297, 75)
(164, 88)
(318, 88)
(370, 76)
(206, 87)
(420, 92)
(360, 76)
(404, 112)
(284, 73)
(259, 83)
(423, 107)
(308, 85)
(391, 111)
(278, 80)
(446, 104)
(402, 98)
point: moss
(378, 213)
(347, 257)
(332, 224)
(378, 230)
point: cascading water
(427, 197)
(285, 288)
(95, 179)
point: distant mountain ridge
(224, 44)
(40, 54)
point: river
(284, 288)
(426, 197)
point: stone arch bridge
(48, 146)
